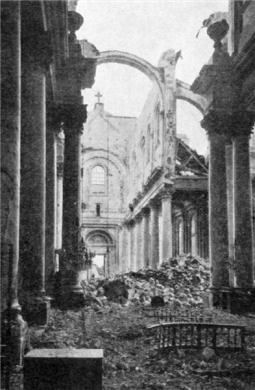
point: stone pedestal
(243, 213)
(166, 206)
(63, 369)
(154, 233)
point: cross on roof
(98, 95)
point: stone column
(146, 238)
(128, 252)
(124, 266)
(193, 230)
(74, 116)
(242, 201)
(10, 151)
(59, 200)
(132, 245)
(14, 328)
(33, 172)
(166, 204)
(181, 235)
(154, 233)
(51, 199)
(230, 207)
(218, 222)
(120, 262)
(139, 238)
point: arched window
(98, 175)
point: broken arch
(155, 74)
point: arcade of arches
(169, 196)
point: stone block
(63, 369)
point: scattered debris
(183, 282)
(115, 318)
(130, 360)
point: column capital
(243, 122)
(145, 211)
(228, 124)
(131, 222)
(154, 203)
(73, 116)
(217, 122)
(166, 192)
(54, 117)
(138, 217)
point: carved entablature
(79, 70)
(229, 125)
(155, 175)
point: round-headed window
(98, 175)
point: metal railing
(198, 335)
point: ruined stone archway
(155, 74)
(102, 244)
(183, 92)
(124, 58)
(98, 237)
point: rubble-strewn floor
(131, 361)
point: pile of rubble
(180, 282)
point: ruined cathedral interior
(88, 194)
